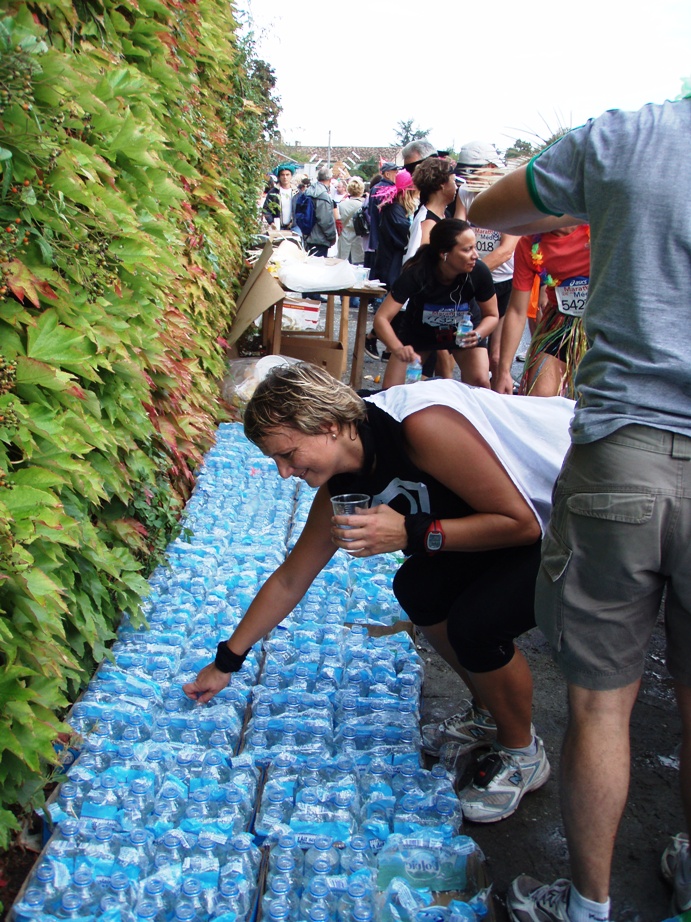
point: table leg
(359, 344)
(329, 331)
(278, 326)
(343, 328)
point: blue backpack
(305, 216)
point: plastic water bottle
(316, 896)
(356, 855)
(413, 372)
(146, 911)
(281, 892)
(31, 907)
(465, 325)
(198, 897)
(355, 897)
(70, 906)
(65, 844)
(322, 850)
(287, 846)
(135, 857)
(274, 811)
(116, 901)
(284, 866)
(155, 892)
(232, 901)
(83, 885)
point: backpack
(360, 221)
(305, 216)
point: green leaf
(55, 344)
(31, 371)
(27, 500)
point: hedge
(132, 144)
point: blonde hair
(302, 397)
(409, 200)
(356, 187)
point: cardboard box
(259, 293)
(300, 314)
(326, 353)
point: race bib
(487, 240)
(572, 295)
(441, 320)
(442, 316)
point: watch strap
(416, 526)
(226, 660)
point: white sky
(506, 69)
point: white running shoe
(675, 865)
(469, 729)
(500, 781)
(530, 901)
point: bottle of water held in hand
(465, 325)
(413, 372)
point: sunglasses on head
(411, 166)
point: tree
(524, 150)
(405, 132)
(519, 148)
(367, 168)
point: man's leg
(595, 781)
(683, 693)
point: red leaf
(24, 284)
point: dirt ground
(532, 841)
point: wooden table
(273, 336)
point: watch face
(434, 541)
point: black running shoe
(371, 347)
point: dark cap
(386, 166)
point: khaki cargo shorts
(619, 540)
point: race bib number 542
(572, 295)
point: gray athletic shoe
(468, 730)
(500, 782)
(675, 865)
(530, 901)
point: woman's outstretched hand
(208, 683)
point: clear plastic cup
(349, 503)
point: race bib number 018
(572, 295)
(487, 240)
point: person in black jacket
(395, 205)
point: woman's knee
(479, 657)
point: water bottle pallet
(135, 713)
(351, 883)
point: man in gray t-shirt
(619, 540)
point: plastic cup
(349, 503)
(361, 276)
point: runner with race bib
(561, 259)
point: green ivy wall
(131, 154)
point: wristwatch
(434, 537)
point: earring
(445, 255)
(333, 435)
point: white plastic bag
(243, 376)
(317, 273)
